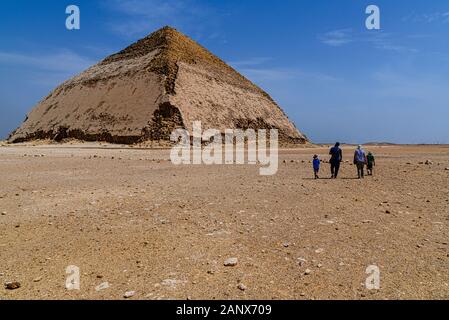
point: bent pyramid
(162, 82)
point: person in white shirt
(360, 161)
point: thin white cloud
(46, 70)
(257, 74)
(62, 61)
(379, 40)
(280, 74)
(139, 17)
(337, 38)
(432, 17)
(385, 41)
(254, 61)
(428, 88)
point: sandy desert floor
(130, 218)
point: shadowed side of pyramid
(142, 93)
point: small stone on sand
(231, 262)
(12, 285)
(129, 294)
(242, 287)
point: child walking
(316, 166)
(371, 162)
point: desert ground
(129, 217)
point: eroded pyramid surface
(162, 82)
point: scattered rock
(387, 211)
(231, 262)
(3, 213)
(38, 279)
(129, 294)
(447, 169)
(103, 286)
(301, 261)
(172, 282)
(428, 162)
(12, 285)
(242, 287)
(307, 272)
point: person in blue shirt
(316, 166)
(360, 161)
(336, 159)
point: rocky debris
(242, 287)
(231, 262)
(12, 285)
(38, 279)
(129, 294)
(3, 213)
(172, 282)
(447, 169)
(103, 286)
(301, 261)
(307, 272)
(428, 162)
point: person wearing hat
(360, 161)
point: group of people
(361, 159)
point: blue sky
(334, 78)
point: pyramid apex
(166, 30)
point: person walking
(336, 159)
(316, 166)
(370, 163)
(360, 161)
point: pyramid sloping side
(114, 107)
(161, 82)
(205, 95)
